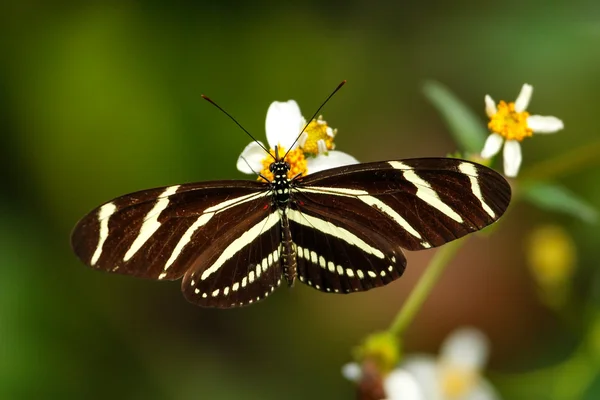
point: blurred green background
(103, 98)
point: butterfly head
(279, 168)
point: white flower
(398, 385)
(454, 375)
(402, 385)
(283, 125)
(510, 122)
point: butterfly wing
(241, 266)
(160, 233)
(357, 218)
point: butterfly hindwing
(242, 266)
(338, 255)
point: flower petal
(302, 139)
(466, 348)
(490, 106)
(523, 98)
(284, 123)
(321, 146)
(544, 124)
(512, 158)
(250, 161)
(352, 372)
(492, 145)
(330, 160)
(424, 369)
(401, 385)
(482, 391)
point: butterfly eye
(271, 167)
(287, 166)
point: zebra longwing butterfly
(341, 230)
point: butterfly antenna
(238, 124)
(252, 169)
(315, 114)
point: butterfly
(341, 230)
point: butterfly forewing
(159, 233)
(419, 203)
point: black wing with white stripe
(241, 266)
(422, 203)
(337, 254)
(159, 233)
(412, 204)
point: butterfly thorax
(281, 183)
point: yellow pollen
(457, 382)
(294, 157)
(317, 130)
(510, 124)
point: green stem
(426, 283)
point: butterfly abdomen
(288, 254)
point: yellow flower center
(318, 130)
(456, 382)
(510, 124)
(294, 157)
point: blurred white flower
(402, 385)
(312, 152)
(398, 384)
(454, 375)
(510, 124)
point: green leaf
(593, 390)
(552, 197)
(465, 126)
